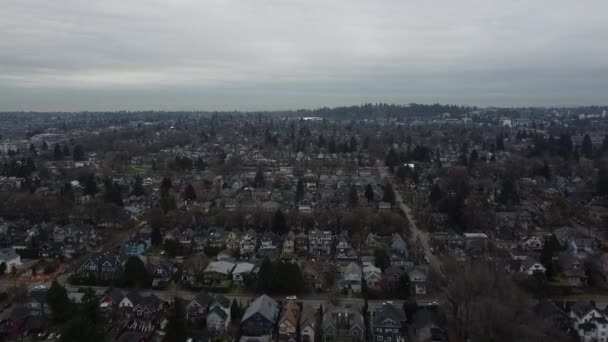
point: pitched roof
(218, 311)
(291, 313)
(263, 305)
(223, 267)
(202, 299)
(114, 294)
(388, 311)
(222, 300)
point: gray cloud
(273, 54)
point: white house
(240, 271)
(372, 276)
(9, 257)
(218, 316)
(418, 281)
(590, 323)
(531, 266)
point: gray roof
(388, 311)
(7, 254)
(263, 305)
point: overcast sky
(76, 55)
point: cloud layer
(275, 54)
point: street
(417, 234)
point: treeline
(369, 110)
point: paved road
(417, 234)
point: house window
(380, 338)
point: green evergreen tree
(189, 193)
(369, 193)
(299, 190)
(59, 303)
(176, 323)
(279, 224)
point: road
(417, 233)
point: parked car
(291, 298)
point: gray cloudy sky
(279, 54)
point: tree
(508, 192)
(369, 192)
(587, 147)
(602, 180)
(500, 142)
(33, 149)
(389, 194)
(2, 268)
(113, 193)
(299, 190)
(236, 313)
(259, 181)
(82, 329)
(550, 249)
(353, 144)
(90, 186)
(137, 188)
(57, 297)
(381, 259)
(45, 146)
(200, 164)
(189, 193)
(67, 192)
(279, 225)
(483, 304)
(392, 159)
(546, 171)
(79, 153)
(565, 146)
(436, 194)
(66, 150)
(176, 323)
(156, 236)
(135, 273)
(473, 158)
(353, 196)
(404, 289)
(57, 152)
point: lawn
(134, 170)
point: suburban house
(387, 324)
(10, 258)
(342, 323)
(344, 249)
(162, 273)
(218, 316)
(308, 323)
(248, 243)
(301, 243)
(418, 281)
(196, 309)
(288, 322)
(590, 323)
(218, 272)
(350, 278)
(425, 326)
(134, 247)
(141, 313)
(531, 266)
(260, 317)
(240, 271)
(372, 276)
(319, 242)
(103, 266)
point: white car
(291, 298)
